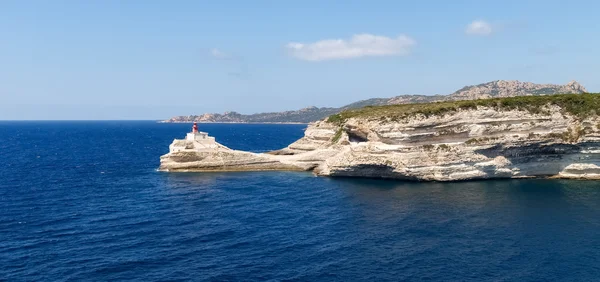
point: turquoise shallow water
(83, 201)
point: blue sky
(155, 59)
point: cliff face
(469, 144)
(457, 142)
(493, 89)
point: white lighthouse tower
(196, 135)
(195, 141)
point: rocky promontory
(517, 137)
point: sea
(83, 201)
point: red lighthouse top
(195, 128)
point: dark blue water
(82, 201)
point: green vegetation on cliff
(337, 136)
(580, 105)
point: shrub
(337, 136)
(337, 118)
(444, 147)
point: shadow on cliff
(543, 158)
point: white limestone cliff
(477, 143)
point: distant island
(493, 89)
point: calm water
(82, 201)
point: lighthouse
(196, 141)
(196, 135)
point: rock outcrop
(552, 136)
(493, 89)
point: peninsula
(515, 137)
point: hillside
(493, 89)
(579, 106)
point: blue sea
(82, 201)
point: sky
(145, 59)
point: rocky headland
(516, 137)
(492, 89)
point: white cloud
(479, 27)
(219, 54)
(360, 45)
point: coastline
(554, 136)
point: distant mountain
(493, 89)
(503, 88)
(305, 115)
